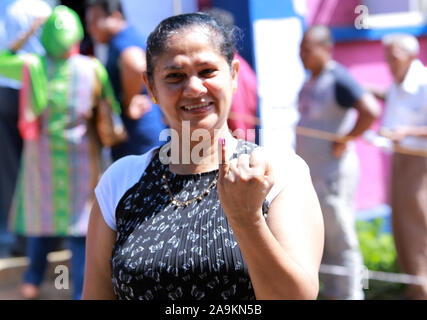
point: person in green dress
(61, 162)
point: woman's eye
(207, 72)
(174, 77)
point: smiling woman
(194, 78)
(236, 226)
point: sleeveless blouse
(169, 253)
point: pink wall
(365, 60)
(331, 12)
(203, 4)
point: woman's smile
(194, 82)
(198, 108)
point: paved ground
(47, 292)
(11, 271)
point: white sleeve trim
(116, 180)
(125, 172)
(289, 169)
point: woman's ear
(151, 92)
(235, 65)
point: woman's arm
(99, 246)
(283, 252)
(23, 38)
(132, 66)
(295, 235)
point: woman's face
(193, 82)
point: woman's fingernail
(222, 141)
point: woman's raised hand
(243, 184)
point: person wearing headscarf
(61, 162)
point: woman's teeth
(196, 106)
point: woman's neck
(199, 157)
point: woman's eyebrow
(206, 63)
(198, 64)
(172, 67)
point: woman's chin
(208, 122)
(204, 125)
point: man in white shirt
(405, 123)
(16, 17)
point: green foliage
(377, 247)
(379, 254)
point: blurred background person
(17, 17)
(327, 102)
(405, 123)
(243, 112)
(61, 155)
(125, 65)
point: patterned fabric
(60, 168)
(164, 252)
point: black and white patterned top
(165, 252)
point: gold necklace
(183, 204)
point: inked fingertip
(221, 141)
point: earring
(154, 100)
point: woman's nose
(195, 87)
